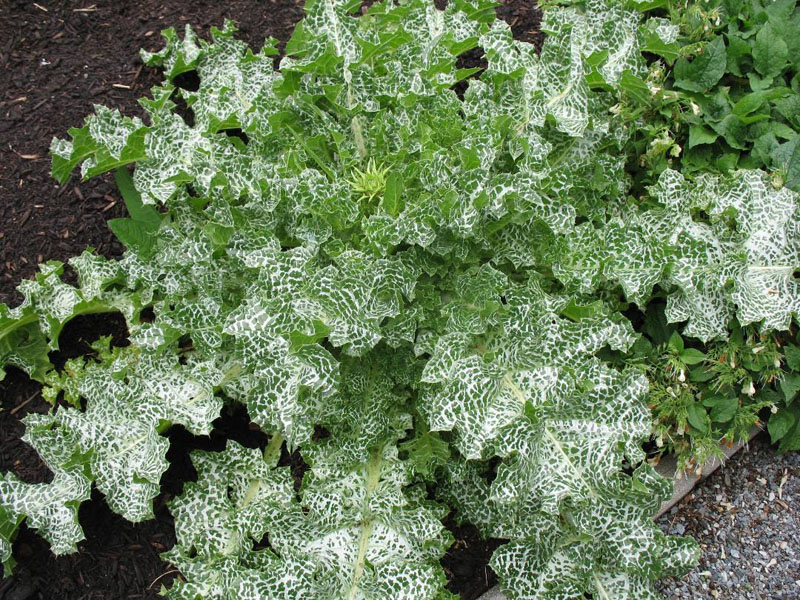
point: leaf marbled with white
(576, 443)
(354, 296)
(482, 386)
(738, 263)
(127, 399)
(218, 518)
(284, 389)
(741, 263)
(427, 305)
(50, 508)
(767, 239)
(367, 537)
(606, 545)
(359, 536)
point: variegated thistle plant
(434, 280)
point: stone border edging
(668, 467)
(681, 487)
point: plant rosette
(346, 245)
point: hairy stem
(372, 479)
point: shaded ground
(57, 60)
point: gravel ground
(746, 517)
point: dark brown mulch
(57, 60)
(57, 63)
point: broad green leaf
(769, 52)
(698, 418)
(779, 425)
(135, 235)
(788, 105)
(738, 53)
(635, 87)
(787, 157)
(692, 356)
(699, 135)
(733, 131)
(754, 101)
(705, 70)
(676, 343)
(792, 355)
(791, 439)
(723, 409)
(790, 385)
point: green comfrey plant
(784, 425)
(732, 98)
(701, 400)
(433, 280)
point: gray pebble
(742, 529)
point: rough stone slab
(667, 467)
(681, 487)
(493, 594)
